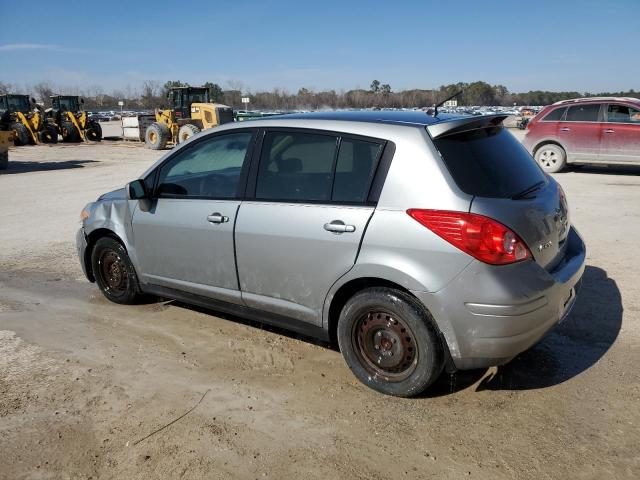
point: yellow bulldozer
(71, 121)
(190, 112)
(19, 114)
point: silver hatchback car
(415, 242)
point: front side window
(583, 113)
(296, 166)
(622, 114)
(210, 169)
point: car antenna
(434, 112)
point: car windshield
(489, 162)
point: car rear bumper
(490, 314)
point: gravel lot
(87, 386)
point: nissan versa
(417, 242)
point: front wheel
(94, 132)
(390, 342)
(551, 157)
(114, 272)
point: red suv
(594, 130)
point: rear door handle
(565, 129)
(217, 218)
(338, 226)
(609, 130)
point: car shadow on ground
(18, 166)
(565, 352)
(569, 349)
(633, 170)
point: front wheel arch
(92, 238)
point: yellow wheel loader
(190, 112)
(18, 115)
(72, 122)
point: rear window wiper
(535, 187)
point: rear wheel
(4, 160)
(94, 132)
(157, 136)
(69, 132)
(551, 157)
(21, 136)
(186, 132)
(390, 342)
(114, 272)
(48, 135)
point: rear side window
(488, 162)
(622, 114)
(583, 113)
(296, 166)
(356, 166)
(554, 115)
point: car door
(302, 228)
(184, 240)
(621, 134)
(580, 132)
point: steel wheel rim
(153, 137)
(385, 345)
(548, 158)
(113, 272)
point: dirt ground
(87, 388)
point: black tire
(390, 342)
(157, 136)
(69, 132)
(114, 272)
(48, 135)
(93, 132)
(551, 157)
(21, 135)
(4, 160)
(186, 132)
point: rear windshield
(489, 162)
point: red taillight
(479, 236)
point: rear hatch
(486, 161)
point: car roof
(411, 117)
(598, 100)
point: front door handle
(217, 218)
(609, 130)
(565, 129)
(338, 226)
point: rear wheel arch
(547, 142)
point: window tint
(623, 114)
(296, 166)
(583, 113)
(554, 115)
(354, 171)
(489, 162)
(211, 168)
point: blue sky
(524, 45)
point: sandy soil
(87, 387)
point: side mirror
(136, 190)
(82, 100)
(33, 100)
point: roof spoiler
(449, 127)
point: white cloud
(9, 47)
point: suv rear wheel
(551, 157)
(390, 342)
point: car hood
(118, 194)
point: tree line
(152, 94)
